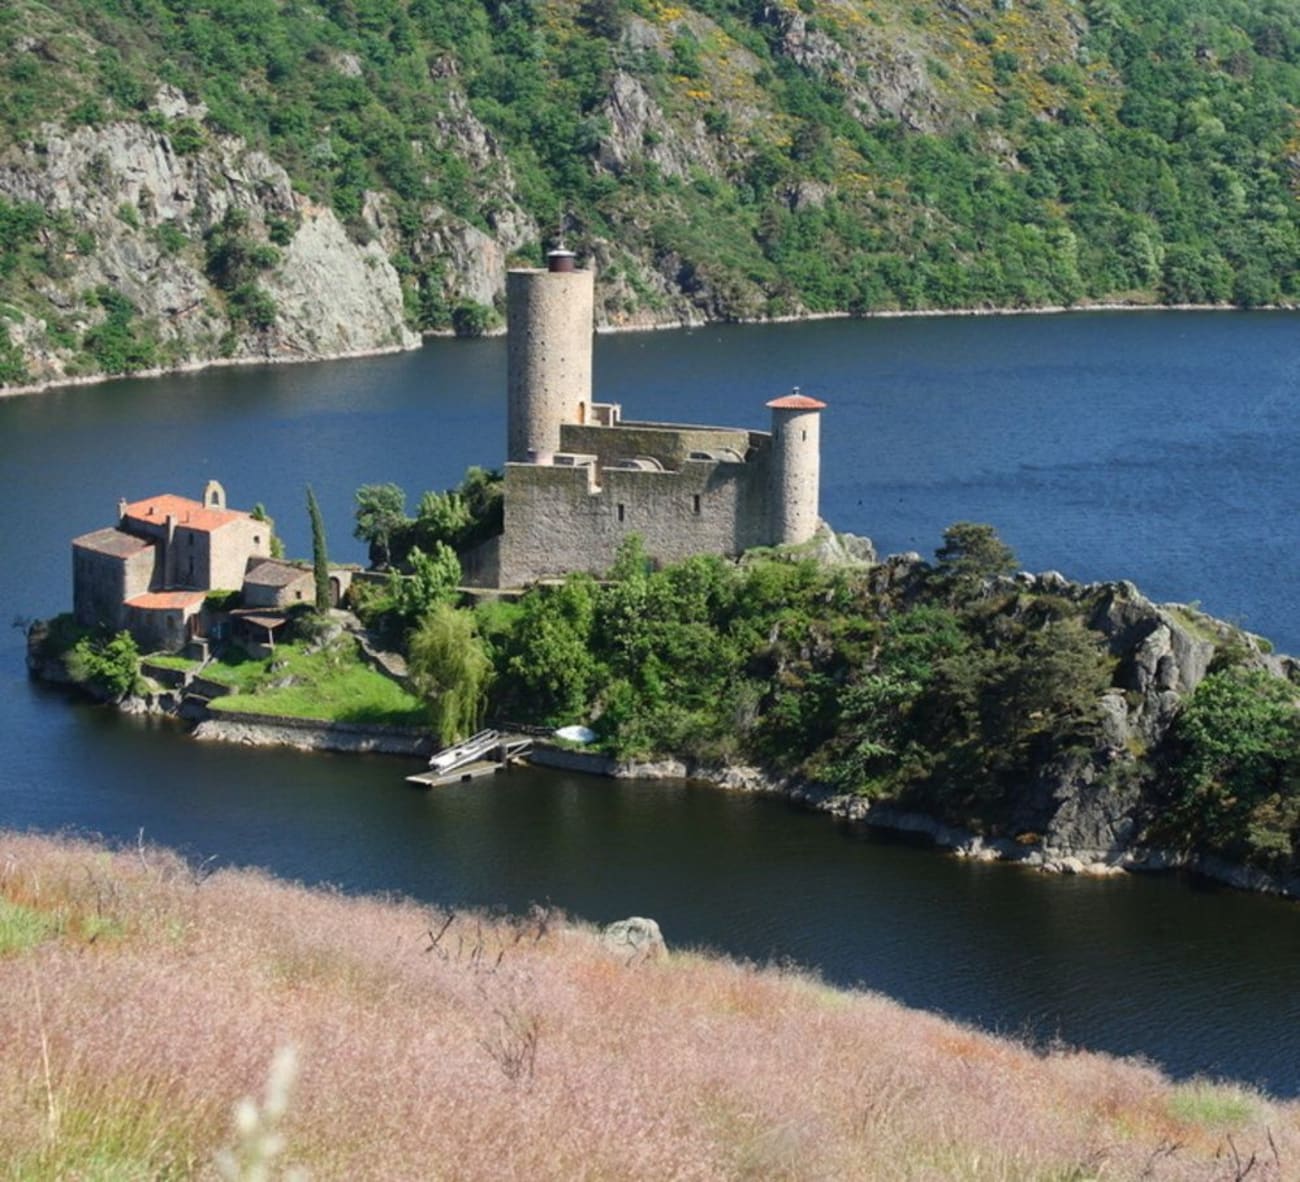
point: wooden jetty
(483, 754)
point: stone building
(579, 478)
(151, 573)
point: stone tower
(796, 467)
(548, 355)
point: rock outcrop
(143, 209)
(1089, 810)
(634, 940)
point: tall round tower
(796, 467)
(549, 314)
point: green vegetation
(108, 663)
(320, 563)
(809, 156)
(1236, 768)
(459, 518)
(950, 689)
(119, 344)
(172, 661)
(451, 668)
(1215, 1106)
(329, 682)
(23, 927)
(381, 512)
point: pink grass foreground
(141, 1000)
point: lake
(1159, 447)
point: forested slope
(250, 178)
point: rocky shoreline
(963, 843)
(1070, 820)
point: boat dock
(483, 754)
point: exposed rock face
(334, 296)
(126, 186)
(634, 940)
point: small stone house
(152, 572)
(272, 583)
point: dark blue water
(1157, 447)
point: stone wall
(161, 629)
(233, 544)
(263, 730)
(548, 357)
(102, 582)
(557, 521)
(667, 443)
(796, 475)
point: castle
(579, 478)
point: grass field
(142, 1000)
(331, 683)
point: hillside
(247, 179)
(141, 998)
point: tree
(451, 669)
(553, 658)
(110, 663)
(1237, 767)
(380, 513)
(972, 553)
(319, 558)
(432, 581)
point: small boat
(450, 758)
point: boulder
(635, 940)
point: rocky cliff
(249, 181)
(143, 212)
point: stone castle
(580, 478)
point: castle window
(804, 436)
(257, 539)
(696, 506)
(621, 512)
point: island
(672, 588)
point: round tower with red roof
(796, 467)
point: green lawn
(333, 685)
(170, 661)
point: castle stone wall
(669, 444)
(558, 520)
(548, 350)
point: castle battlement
(579, 478)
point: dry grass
(141, 1000)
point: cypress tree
(319, 559)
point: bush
(110, 664)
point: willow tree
(451, 669)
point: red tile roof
(112, 541)
(796, 402)
(166, 600)
(192, 514)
